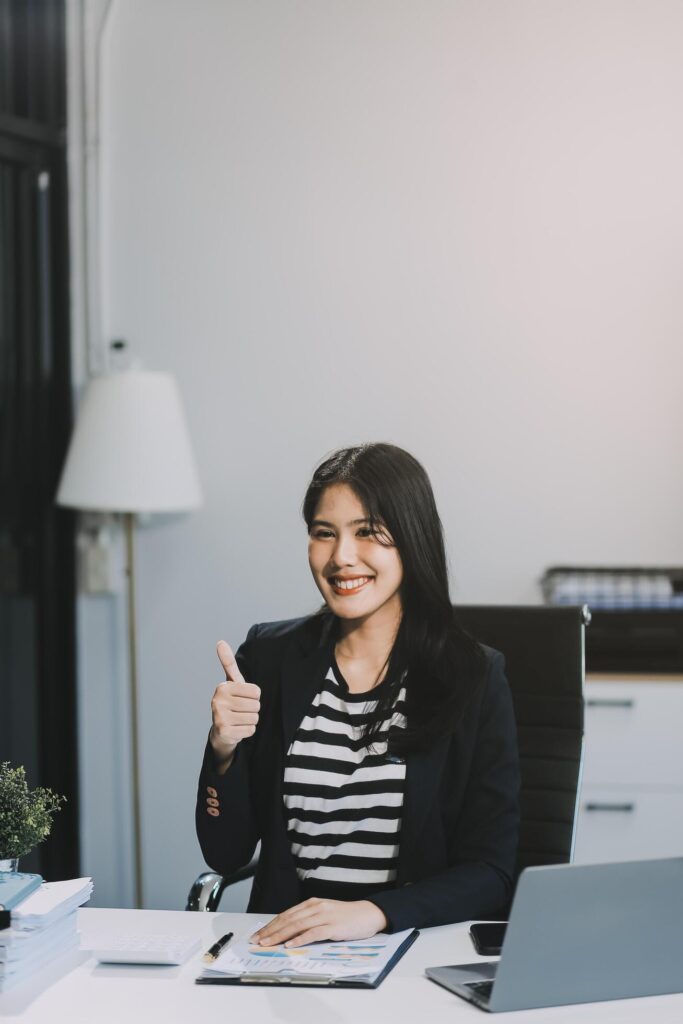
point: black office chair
(544, 655)
(544, 660)
(207, 888)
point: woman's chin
(346, 609)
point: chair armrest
(207, 889)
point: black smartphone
(487, 937)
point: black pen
(212, 953)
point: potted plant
(25, 815)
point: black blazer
(461, 803)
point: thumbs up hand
(235, 709)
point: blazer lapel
(423, 776)
(304, 668)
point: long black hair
(436, 660)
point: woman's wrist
(223, 756)
(378, 914)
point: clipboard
(297, 979)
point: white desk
(80, 990)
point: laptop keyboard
(482, 988)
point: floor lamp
(130, 453)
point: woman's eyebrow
(354, 522)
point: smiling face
(357, 572)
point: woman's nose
(344, 551)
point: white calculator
(144, 948)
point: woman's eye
(365, 531)
(321, 534)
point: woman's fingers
(289, 923)
(291, 929)
(286, 919)
(236, 703)
(227, 660)
(318, 934)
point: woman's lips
(353, 585)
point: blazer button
(211, 802)
(212, 811)
(211, 791)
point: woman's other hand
(235, 710)
(317, 920)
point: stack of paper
(43, 927)
(15, 886)
(50, 902)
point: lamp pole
(129, 529)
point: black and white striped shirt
(343, 798)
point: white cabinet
(631, 797)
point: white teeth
(350, 584)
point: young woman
(371, 747)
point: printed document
(356, 958)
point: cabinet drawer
(633, 734)
(628, 824)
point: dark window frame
(37, 339)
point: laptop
(582, 933)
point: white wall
(456, 226)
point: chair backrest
(544, 657)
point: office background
(456, 226)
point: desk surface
(79, 990)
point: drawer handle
(597, 702)
(621, 808)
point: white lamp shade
(130, 450)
